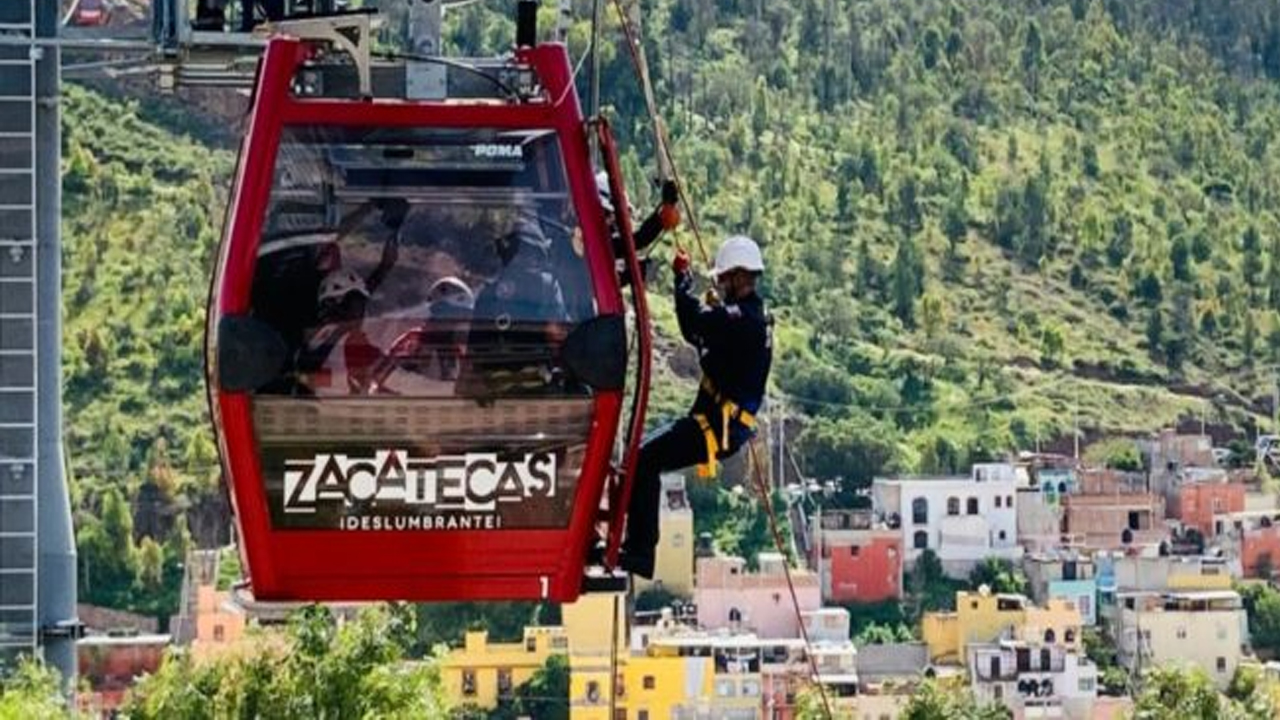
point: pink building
(728, 596)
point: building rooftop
(893, 660)
(106, 640)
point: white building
(962, 519)
(1033, 680)
(1202, 628)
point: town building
(729, 596)
(1063, 575)
(1197, 504)
(673, 562)
(1033, 679)
(859, 560)
(986, 617)
(963, 520)
(111, 663)
(1251, 536)
(1204, 628)
(672, 670)
(481, 672)
(1113, 510)
(1039, 520)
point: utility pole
(1075, 426)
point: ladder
(18, 361)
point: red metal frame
(439, 565)
(621, 498)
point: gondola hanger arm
(350, 33)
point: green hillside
(982, 220)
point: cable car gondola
(416, 350)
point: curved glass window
(422, 283)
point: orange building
(1197, 503)
(1254, 537)
(859, 562)
(109, 665)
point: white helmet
(451, 291)
(338, 283)
(739, 253)
(605, 192)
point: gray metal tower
(37, 549)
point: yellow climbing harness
(729, 411)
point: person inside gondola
(337, 356)
(520, 318)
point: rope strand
(767, 499)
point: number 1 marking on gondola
(546, 586)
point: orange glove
(669, 212)
(681, 262)
(669, 215)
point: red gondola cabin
(416, 350)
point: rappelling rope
(667, 165)
(766, 499)
(666, 160)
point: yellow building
(983, 617)
(480, 672)
(673, 568)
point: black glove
(393, 211)
(670, 193)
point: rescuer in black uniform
(734, 341)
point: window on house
(1182, 633)
(920, 511)
(972, 506)
(1135, 522)
(999, 500)
(468, 682)
(953, 506)
(593, 691)
(642, 715)
(1069, 636)
(853, 550)
(735, 615)
(1222, 664)
(531, 644)
(504, 682)
(649, 682)
(1049, 636)
(1045, 659)
(219, 632)
(1008, 501)
(921, 540)
(995, 667)
(1004, 535)
(1087, 685)
(998, 692)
